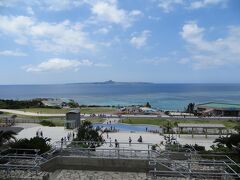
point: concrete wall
(98, 164)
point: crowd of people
(140, 140)
(70, 136)
(39, 133)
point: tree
(168, 127)
(237, 127)
(6, 136)
(148, 105)
(86, 132)
(232, 142)
(33, 143)
(73, 104)
(190, 108)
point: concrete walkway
(25, 113)
(31, 113)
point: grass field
(57, 122)
(45, 110)
(86, 110)
(92, 110)
(160, 122)
(96, 120)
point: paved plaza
(56, 133)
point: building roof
(146, 109)
(221, 106)
(74, 111)
(188, 125)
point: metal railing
(194, 167)
(20, 159)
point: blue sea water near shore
(162, 96)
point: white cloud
(135, 13)
(184, 61)
(104, 30)
(102, 10)
(211, 53)
(30, 10)
(58, 5)
(141, 40)
(50, 37)
(204, 3)
(156, 60)
(108, 11)
(169, 5)
(12, 53)
(8, 3)
(50, 5)
(58, 64)
(155, 18)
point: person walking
(140, 139)
(110, 145)
(61, 142)
(130, 141)
(116, 143)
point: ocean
(162, 96)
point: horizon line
(113, 82)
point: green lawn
(95, 120)
(160, 122)
(57, 122)
(45, 110)
(86, 110)
(92, 110)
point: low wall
(97, 164)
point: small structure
(50, 102)
(180, 114)
(218, 109)
(147, 110)
(72, 120)
(137, 110)
(204, 128)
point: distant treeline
(15, 104)
(97, 106)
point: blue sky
(163, 41)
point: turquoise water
(162, 96)
(127, 127)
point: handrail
(232, 169)
(162, 164)
(192, 173)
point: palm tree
(6, 136)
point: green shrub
(47, 123)
(33, 143)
